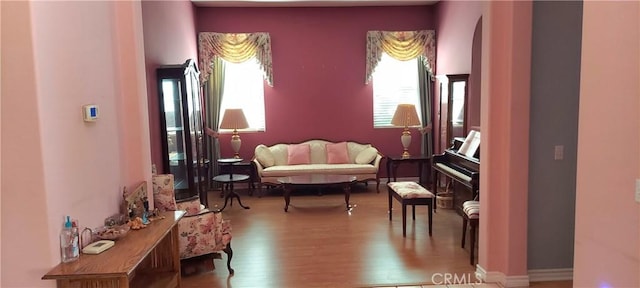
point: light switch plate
(558, 152)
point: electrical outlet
(558, 152)
(638, 190)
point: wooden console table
(148, 257)
(423, 162)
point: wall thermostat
(98, 247)
(90, 113)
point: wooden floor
(319, 244)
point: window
(394, 82)
(244, 88)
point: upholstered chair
(470, 217)
(202, 233)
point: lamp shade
(234, 119)
(405, 116)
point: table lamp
(234, 119)
(405, 116)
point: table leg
(234, 194)
(347, 194)
(226, 198)
(394, 169)
(287, 194)
(388, 170)
(229, 195)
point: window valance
(235, 48)
(401, 45)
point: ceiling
(309, 3)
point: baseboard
(489, 277)
(501, 279)
(542, 275)
(517, 281)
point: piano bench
(410, 193)
(470, 215)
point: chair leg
(472, 241)
(413, 212)
(430, 214)
(404, 220)
(464, 229)
(229, 253)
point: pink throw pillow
(337, 153)
(299, 154)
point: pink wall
(63, 55)
(22, 159)
(506, 53)
(607, 219)
(131, 103)
(319, 70)
(169, 38)
(473, 113)
(456, 23)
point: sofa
(316, 156)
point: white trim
(517, 281)
(500, 279)
(489, 277)
(541, 275)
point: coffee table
(316, 180)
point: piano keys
(462, 170)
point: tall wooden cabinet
(454, 90)
(182, 129)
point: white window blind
(394, 82)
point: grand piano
(460, 169)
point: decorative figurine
(145, 214)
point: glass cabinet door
(194, 112)
(195, 122)
(182, 128)
(175, 133)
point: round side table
(229, 179)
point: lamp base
(235, 144)
(406, 141)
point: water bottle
(76, 238)
(69, 249)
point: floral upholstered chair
(202, 232)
